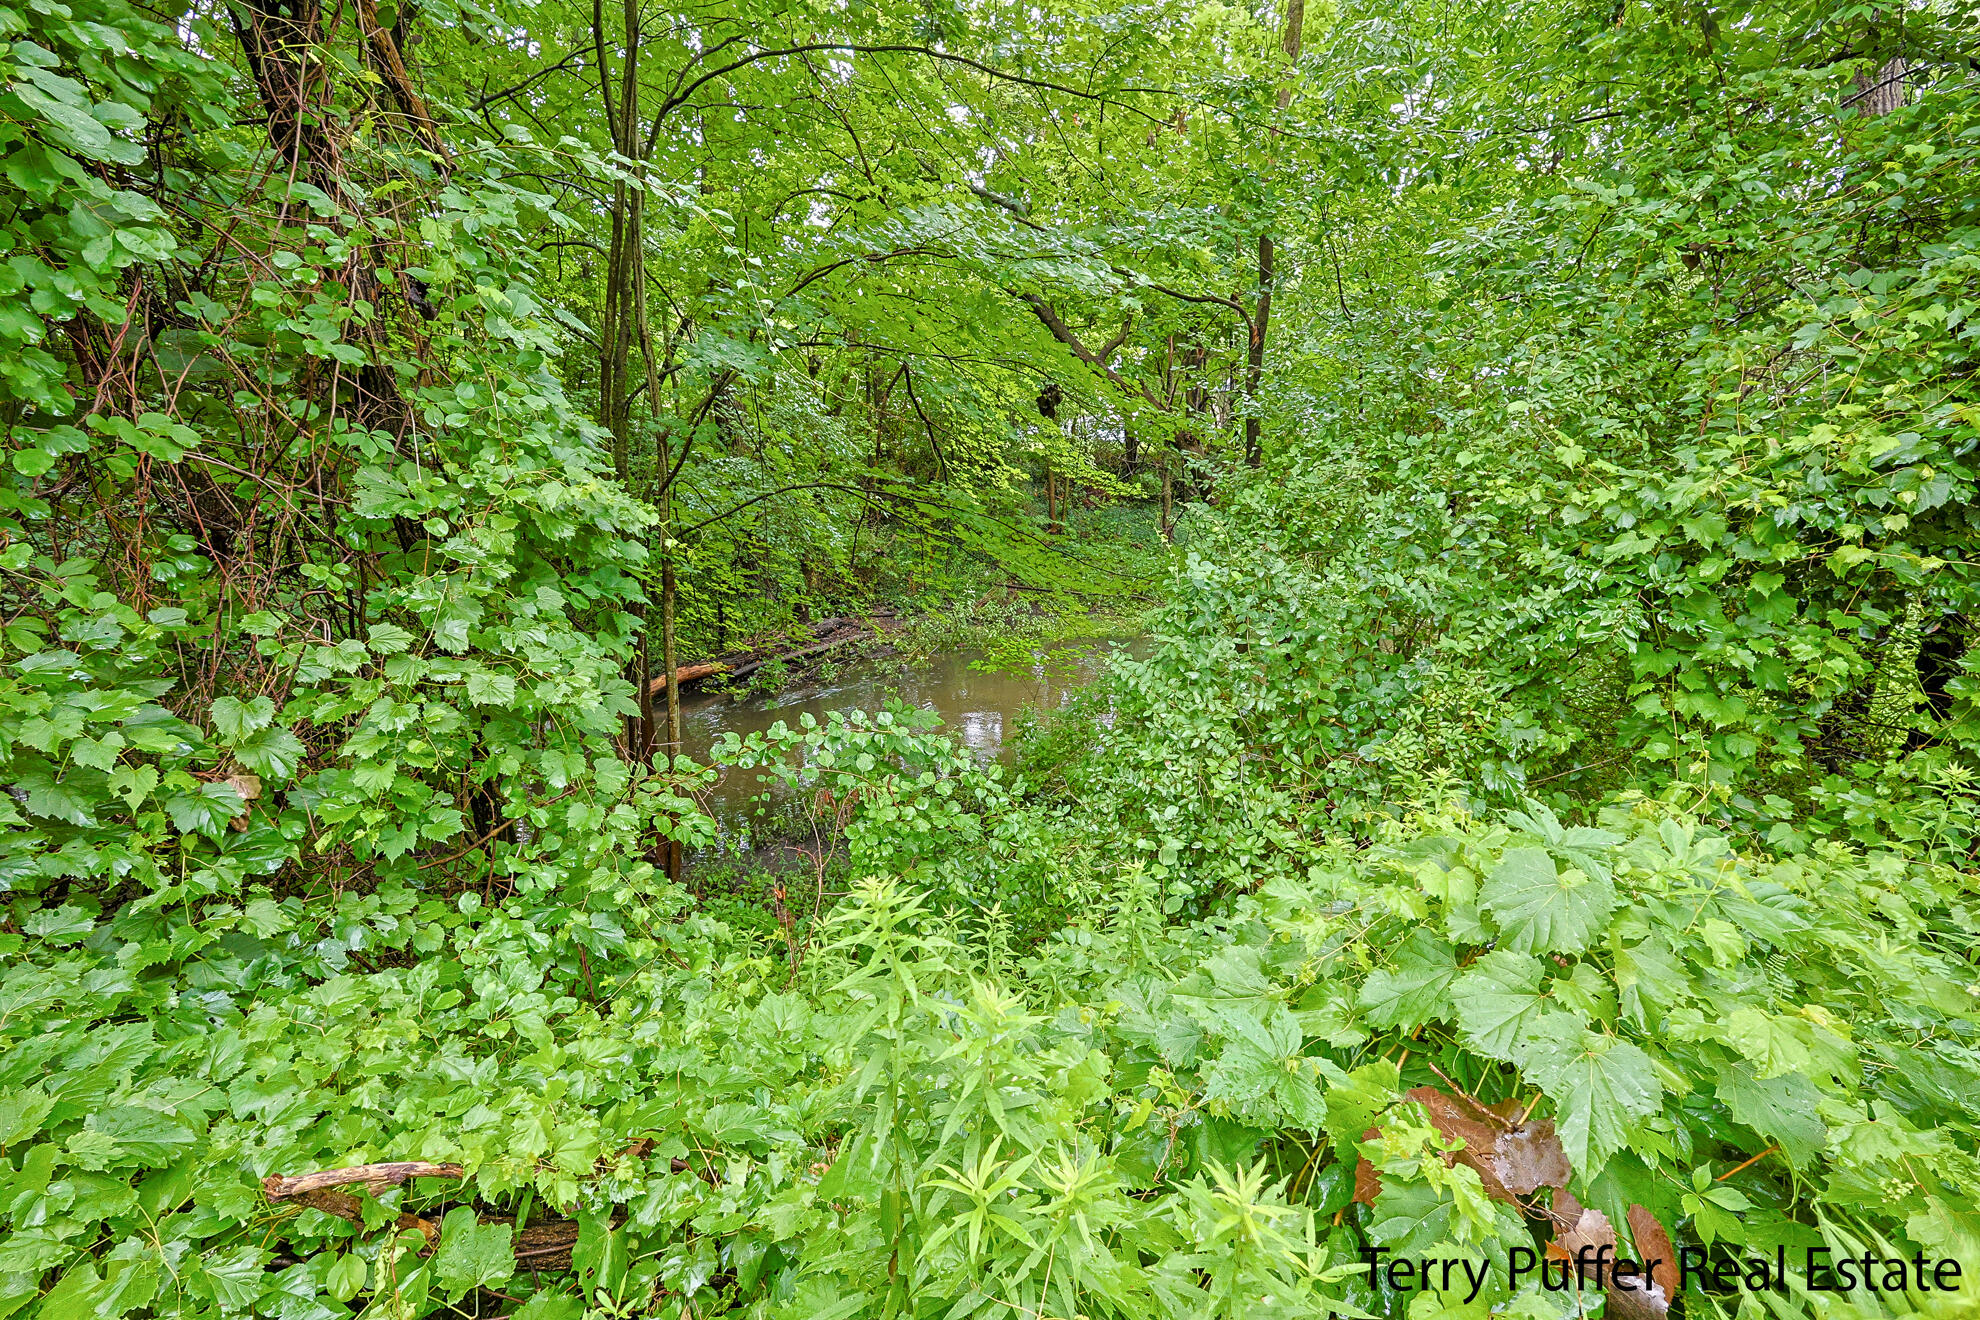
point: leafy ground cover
(1137, 1117)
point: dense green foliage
(1544, 813)
(1136, 1119)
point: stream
(979, 704)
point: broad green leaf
(1598, 1083)
(1545, 910)
(32, 462)
(272, 752)
(486, 689)
(32, 1251)
(1417, 989)
(205, 812)
(59, 926)
(1781, 1109)
(62, 799)
(548, 1305)
(1354, 1105)
(236, 719)
(1498, 1001)
(22, 1110)
(133, 783)
(471, 1254)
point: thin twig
(505, 825)
(1755, 1160)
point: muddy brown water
(978, 702)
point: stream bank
(982, 694)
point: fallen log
(375, 1177)
(744, 668)
(345, 1206)
(687, 674)
(545, 1245)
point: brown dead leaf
(248, 787)
(1582, 1227)
(1460, 1118)
(1653, 1243)
(1530, 1157)
(1512, 1159)
(1367, 1183)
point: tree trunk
(1882, 90)
(663, 466)
(1261, 317)
(1168, 526)
(624, 281)
(278, 39)
(672, 662)
(1196, 403)
(1290, 38)
(1254, 372)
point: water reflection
(980, 706)
(982, 731)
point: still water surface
(978, 704)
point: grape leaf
(236, 719)
(1781, 1109)
(1417, 989)
(471, 1254)
(1498, 1000)
(1598, 1084)
(1353, 1104)
(551, 1306)
(1545, 910)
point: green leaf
(1410, 1218)
(236, 719)
(1353, 1106)
(599, 1257)
(486, 689)
(1417, 989)
(345, 1277)
(272, 752)
(550, 1306)
(142, 1136)
(59, 925)
(1781, 1109)
(1599, 1085)
(1771, 1043)
(32, 1251)
(32, 462)
(205, 812)
(81, 132)
(471, 1254)
(1545, 910)
(1498, 1001)
(21, 1113)
(57, 799)
(133, 783)
(389, 639)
